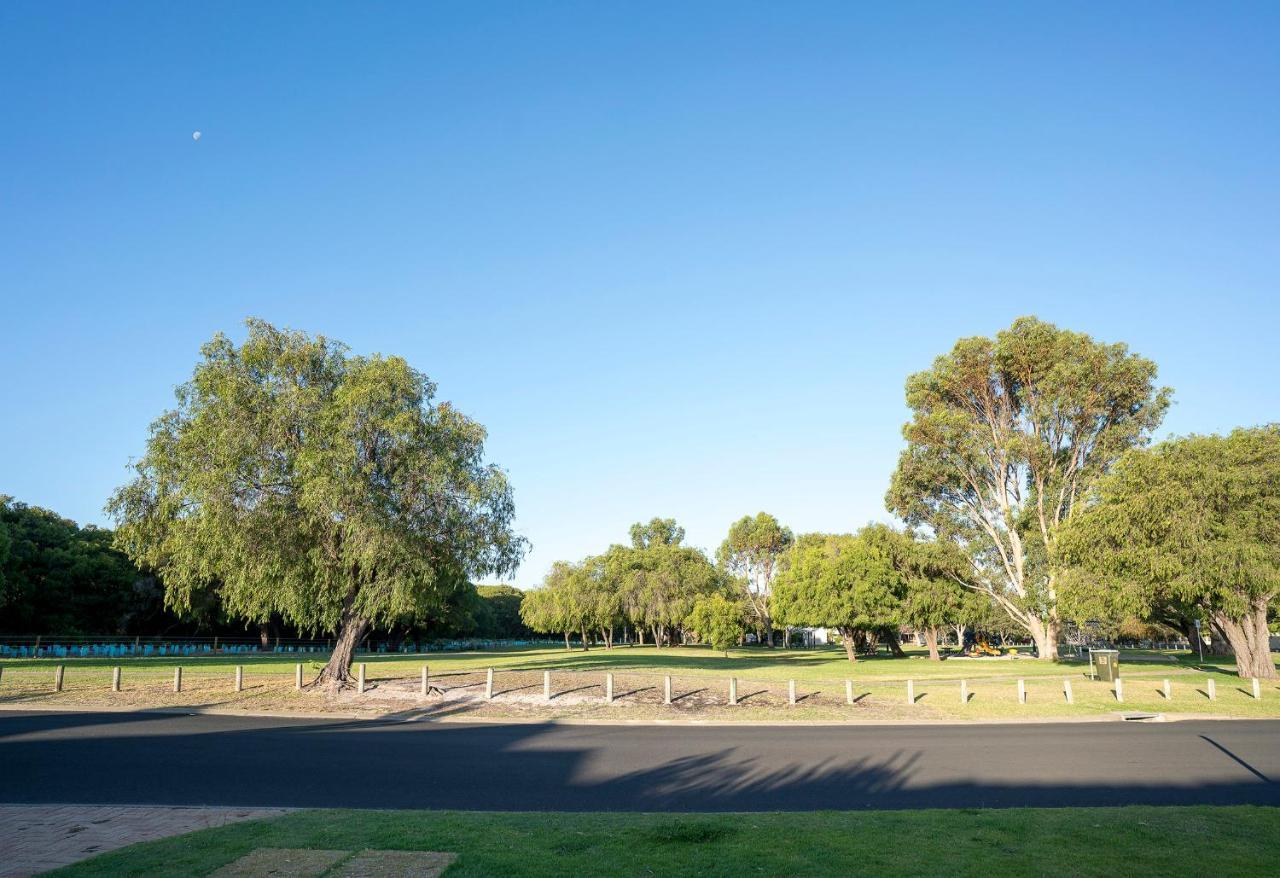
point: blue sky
(678, 258)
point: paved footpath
(36, 838)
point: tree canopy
(1194, 521)
(1006, 436)
(750, 555)
(305, 481)
(842, 581)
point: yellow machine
(982, 647)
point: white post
(1066, 690)
(426, 682)
(911, 692)
(1257, 689)
(791, 692)
(239, 678)
(177, 679)
(297, 677)
(57, 678)
(488, 685)
(360, 679)
(733, 690)
(666, 690)
(1168, 690)
(1119, 691)
(115, 679)
(608, 688)
(1022, 691)
(848, 691)
(964, 691)
(1212, 689)
(546, 685)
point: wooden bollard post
(1022, 691)
(964, 691)
(57, 678)
(1212, 689)
(1119, 691)
(360, 680)
(911, 692)
(115, 679)
(733, 690)
(546, 685)
(1257, 689)
(177, 679)
(239, 678)
(791, 692)
(488, 685)
(1168, 690)
(297, 677)
(1066, 690)
(426, 682)
(608, 688)
(666, 689)
(848, 692)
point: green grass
(1137, 841)
(825, 664)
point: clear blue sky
(677, 258)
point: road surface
(165, 759)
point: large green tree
(1007, 435)
(844, 581)
(750, 555)
(62, 579)
(718, 621)
(1191, 522)
(305, 481)
(660, 579)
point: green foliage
(58, 578)
(1006, 435)
(1191, 522)
(658, 532)
(499, 612)
(314, 484)
(717, 621)
(750, 554)
(845, 581)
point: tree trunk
(786, 637)
(264, 635)
(1250, 641)
(566, 641)
(850, 649)
(640, 635)
(768, 631)
(582, 633)
(891, 640)
(1045, 634)
(931, 640)
(337, 673)
(960, 630)
(657, 637)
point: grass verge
(1058, 842)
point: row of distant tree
(297, 484)
(1027, 482)
(60, 579)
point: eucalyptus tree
(844, 581)
(1193, 522)
(750, 555)
(1006, 436)
(328, 488)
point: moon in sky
(195, 135)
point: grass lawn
(820, 675)
(1137, 841)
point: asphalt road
(140, 758)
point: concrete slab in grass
(395, 864)
(281, 863)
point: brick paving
(36, 838)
